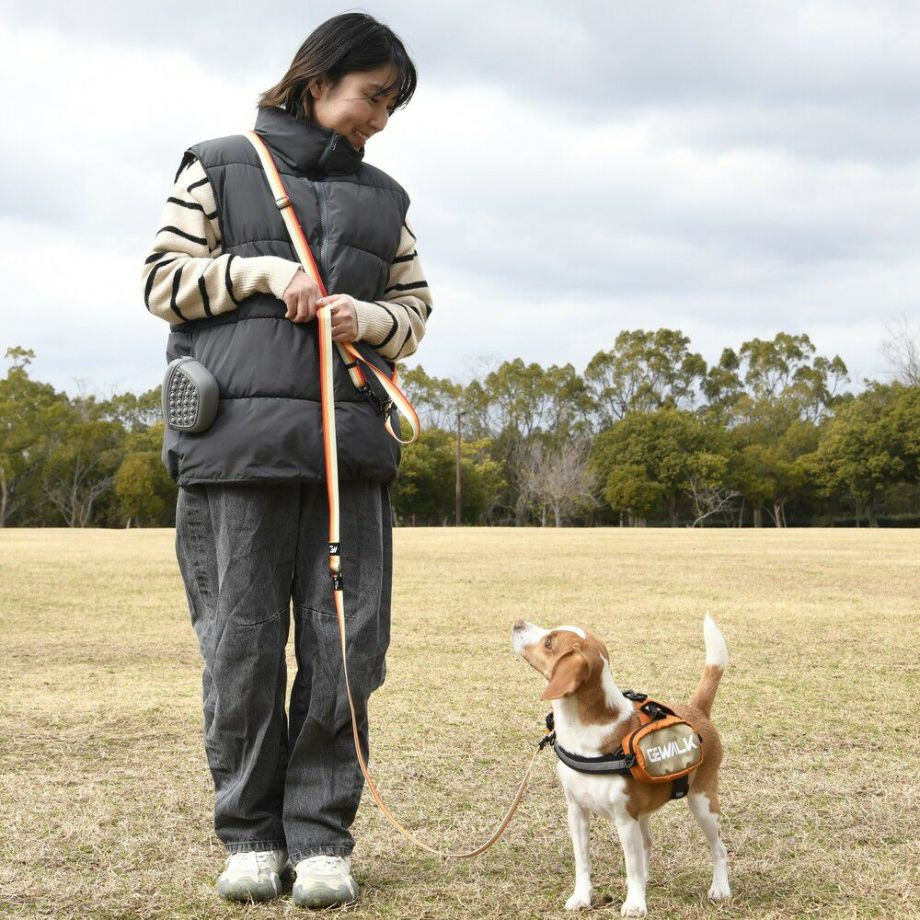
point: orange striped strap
(352, 358)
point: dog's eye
(548, 642)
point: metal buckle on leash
(382, 406)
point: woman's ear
(317, 85)
(568, 675)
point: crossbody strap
(351, 357)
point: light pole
(457, 503)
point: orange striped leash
(348, 351)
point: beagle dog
(591, 717)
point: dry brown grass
(105, 797)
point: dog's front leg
(630, 834)
(579, 821)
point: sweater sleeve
(395, 325)
(187, 274)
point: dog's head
(567, 656)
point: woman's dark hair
(341, 45)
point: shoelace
(254, 861)
(326, 864)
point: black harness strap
(617, 763)
(608, 763)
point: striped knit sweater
(188, 276)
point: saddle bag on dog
(664, 747)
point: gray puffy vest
(269, 421)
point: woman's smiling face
(354, 107)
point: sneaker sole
(322, 895)
(249, 889)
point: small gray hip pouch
(190, 396)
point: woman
(251, 520)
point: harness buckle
(654, 711)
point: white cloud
(574, 171)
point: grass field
(105, 798)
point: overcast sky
(731, 169)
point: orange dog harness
(663, 749)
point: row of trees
(649, 433)
(79, 461)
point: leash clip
(550, 738)
(382, 406)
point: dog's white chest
(601, 795)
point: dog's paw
(580, 900)
(633, 908)
(720, 891)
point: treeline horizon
(648, 435)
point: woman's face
(354, 107)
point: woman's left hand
(344, 316)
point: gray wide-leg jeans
(247, 553)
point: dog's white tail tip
(716, 649)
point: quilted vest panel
(269, 422)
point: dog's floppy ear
(568, 675)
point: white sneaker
(324, 881)
(252, 876)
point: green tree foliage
(425, 492)
(772, 396)
(436, 399)
(644, 371)
(60, 457)
(146, 492)
(872, 442)
(28, 410)
(647, 460)
(81, 466)
(527, 399)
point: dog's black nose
(520, 624)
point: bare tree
(557, 477)
(902, 350)
(710, 499)
(75, 495)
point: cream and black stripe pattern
(188, 276)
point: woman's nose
(379, 120)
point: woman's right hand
(300, 298)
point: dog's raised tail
(716, 662)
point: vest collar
(305, 146)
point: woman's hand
(344, 317)
(300, 297)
